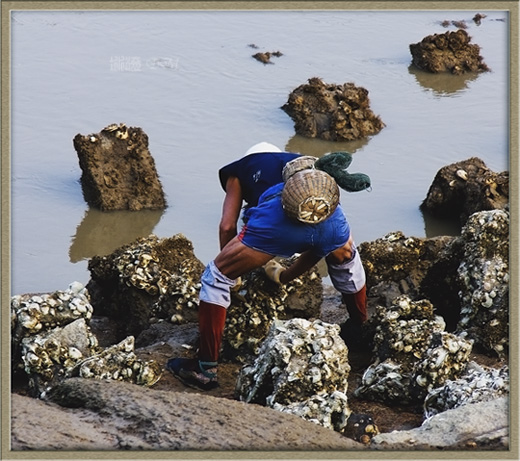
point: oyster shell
(302, 368)
(413, 353)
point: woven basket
(300, 163)
(310, 196)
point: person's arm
(276, 272)
(230, 211)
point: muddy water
(188, 80)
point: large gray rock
(107, 415)
(476, 425)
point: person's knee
(216, 287)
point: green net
(335, 164)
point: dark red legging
(212, 319)
(357, 305)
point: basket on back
(310, 195)
(300, 163)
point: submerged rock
(332, 112)
(463, 188)
(118, 170)
(265, 57)
(448, 52)
(302, 368)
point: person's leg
(350, 280)
(356, 304)
(214, 299)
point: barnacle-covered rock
(118, 170)
(404, 330)
(149, 280)
(50, 356)
(328, 410)
(478, 384)
(446, 358)
(401, 260)
(259, 301)
(52, 341)
(33, 313)
(299, 360)
(484, 275)
(386, 381)
(332, 112)
(449, 52)
(120, 363)
(413, 353)
(463, 188)
(37, 313)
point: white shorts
(216, 286)
(348, 277)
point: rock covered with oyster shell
(52, 341)
(463, 188)
(119, 362)
(38, 314)
(118, 170)
(413, 353)
(478, 384)
(258, 301)
(149, 280)
(466, 278)
(302, 368)
(484, 276)
(421, 268)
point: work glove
(273, 270)
(237, 285)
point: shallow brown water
(188, 79)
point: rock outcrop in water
(118, 170)
(332, 112)
(463, 188)
(449, 52)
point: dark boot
(352, 330)
(357, 305)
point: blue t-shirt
(256, 173)
(269, 230)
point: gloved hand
(238, 284)
(273, 269)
